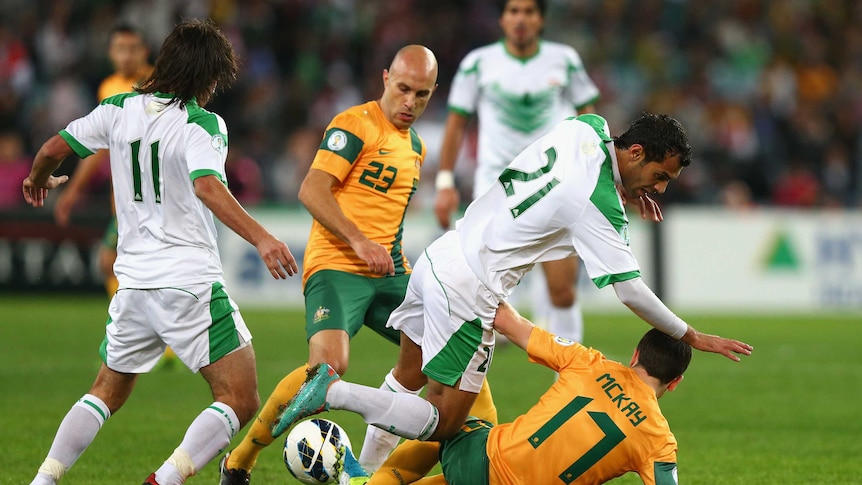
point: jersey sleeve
(89, 134)
(464, 93)
(342, 144)
(556, 352)
(582, 89)
(660, 472)
(206, 150)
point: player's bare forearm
(512, 325)
(315, 193)
(453, 137)
(729, 348)
(218, 199)
(36, 186)
(48, 159)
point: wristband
(445, 180)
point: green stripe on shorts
(103, 348)
(447, 366)
(222, 332)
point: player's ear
(634, 360)
(636, 152)
(675, 382)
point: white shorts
(200, 323)
(449, 313)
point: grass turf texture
(788, 414)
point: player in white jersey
(562, 196)
(518, 88)
(167, 166)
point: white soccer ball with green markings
(314, 451)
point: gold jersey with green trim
(377, 166)
(598, 421)
(117, 83)
(167, 237)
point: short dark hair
(660, 135)
(542, 5)
(194, 58)
(663, 356)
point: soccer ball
(314, 451)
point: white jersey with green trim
(167, 236)
(556, 199)
(517, 100)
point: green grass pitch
(788, 414)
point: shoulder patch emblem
(218, 143)
(563, 341)
(337, 140)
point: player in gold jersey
(598, 421)
(354, 271)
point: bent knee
(563, 297)
(245, 405)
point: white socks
(76, 432)
(404, 414)
(206, 437)
(379, 443)
(566, 322)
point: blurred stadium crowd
(770, 91)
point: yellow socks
(258, 435)
(484, 407)
(410, 461)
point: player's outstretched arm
(315, 193)
(40, 180)
(729, 348)
(274, 253)
(510, 323)
(447, 195)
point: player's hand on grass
(376, 256)
(445, 204)
(277, 257)
(35, 194)
(729, 348)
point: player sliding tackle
(562, 195)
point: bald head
(408, 85)
(415, 57)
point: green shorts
(109, 239)
(464, 457)
(340, 300)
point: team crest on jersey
(624, 233)
(320, 314)
(218, 143)
(337, 140)
(563, 341)
(589, 148)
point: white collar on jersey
(613, 153)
